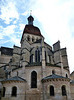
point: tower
(30, 20)
(43, 74)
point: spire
(30, 20)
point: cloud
(57, 18)
(2, 42)
(9, 12)
(15, 40)
(1, 37)
(21, 26)
(9, 32)
(25, 13)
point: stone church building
(35, 71)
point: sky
(54, 18)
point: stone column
(43, 59)
(43, 70)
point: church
(35, 70)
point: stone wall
(72, 91)
(4, 59)
(20, 90)
(57, 84)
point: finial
(30, 18)
(30, 12)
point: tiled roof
(31, 29)
(16, 78)
(53, 76)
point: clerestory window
(37, 56)
(31, 58)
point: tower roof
(32, 30)
(30, 20)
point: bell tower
(30, 20)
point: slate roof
(53, 76)
(30, 18)
(6, 51)
(72, 82)
(72, 73)
(15, 78)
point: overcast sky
(55, 18)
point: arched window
(36, 38)
(51, 90)
(4, 89)
(37, 56)
(31, 58)
(53, 72)
(66, 76)
(49, 59)
(63, 88)
(14, 91)
(28, 38)
(33, 79)
(33, 39)
(0, 92)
